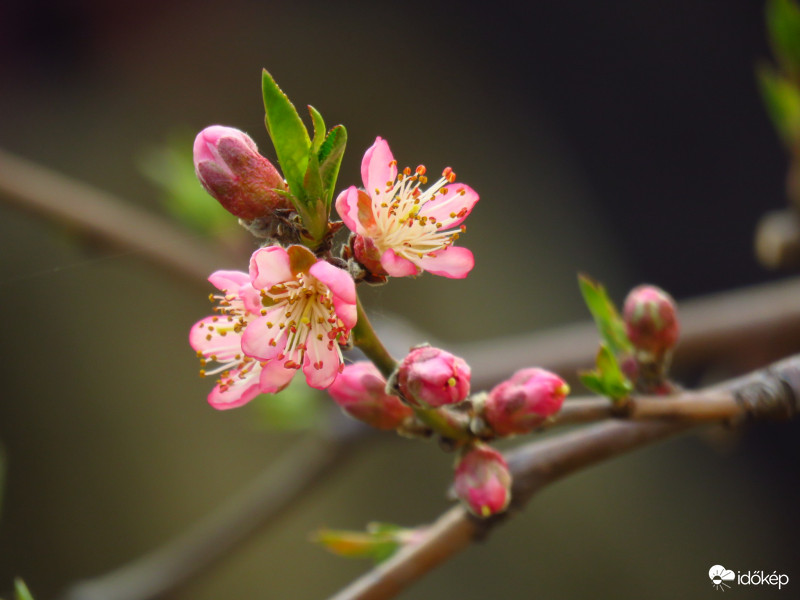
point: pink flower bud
(429, 377)
(483, 481)
(360, 391)
(230, 168)
(522, 403)
(651, 319)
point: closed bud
(651, 319)
(230, 168)
(521, 403)
(429, 377)
(483, 481)
(360, 391)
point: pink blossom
(483, 481)
(429, 377)
(218, 338)
(401, 230)
(230, 168)
(523, 402)
(308, 309)
(360, 390)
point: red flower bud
(230, 168)
(429, 377)
(651, 319)
(523, 402)
(483, 481)
(360, 391)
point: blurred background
(623, 139)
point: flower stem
(365, 338)
(446, 423)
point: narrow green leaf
(330, 159)
(592, 381)
(783, 27)
(317, 220)
(606, 317)
(782, 99)
(607, 379)
(319, 129)
(289, 135)
(377, 546)
(21, 590)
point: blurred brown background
(624, 139)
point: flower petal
(454, 262)
(342, 287)
(269, 266)
(206, 336)
(338, 280)
(237, 392)
(261, 341)
(452, 207)
(378, 167)
(229, 281)
(321, 364)
(347, 207)
(396, 265)
(275, 376)
(251, 298)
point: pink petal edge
(453, 262)
(377, 167)
(397, 266)
(451, 203)
(269, 266)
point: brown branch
(59, 198)
(713, 327)
(773, 392)
(265, 500)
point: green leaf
(379, 542)
(319, 128)
(606, 317)
(782, 99)
(21, 591)
(783, 27)
(330, 159)
(316, 217)
(289, 135)
(607, 379)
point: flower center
(306, 316)
(398, 222)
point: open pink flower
(218, 338)
(308, 309)
(400, 229)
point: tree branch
(773, 392)
(59, 198)
(268, 497)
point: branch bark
(45, 193)
(773, 392)
(266, 499)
